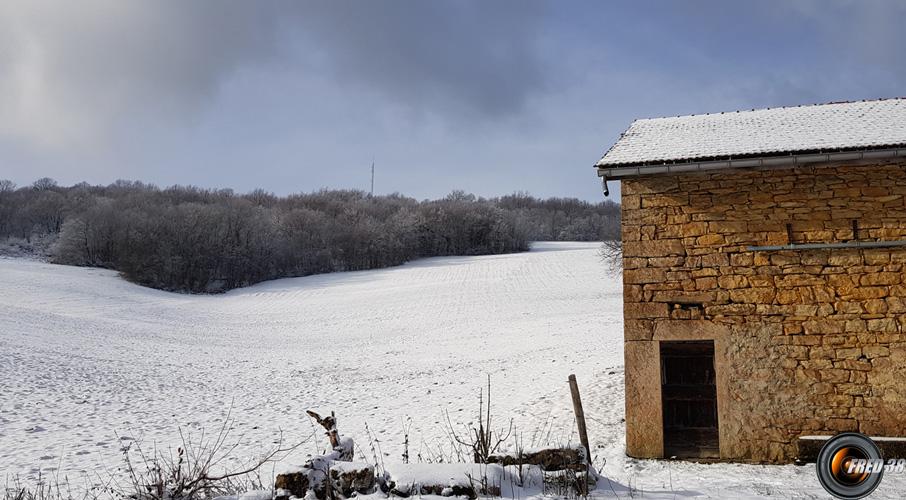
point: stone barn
(764, 290)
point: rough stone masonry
(806, 341)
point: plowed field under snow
(89, 363)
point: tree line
(185, 238)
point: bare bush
(482, 440)
(611, 254)
(195, 470)
(44, 488)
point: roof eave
(791, 160)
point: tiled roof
(761, 132)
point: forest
(189, 239)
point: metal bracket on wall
(824, 246)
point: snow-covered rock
(349, 477)
(292, 484)
(549, 459)
(468, 480)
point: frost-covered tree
(191, 239)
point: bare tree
(44, 184)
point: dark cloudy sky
(490, 97)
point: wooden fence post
(580, 416)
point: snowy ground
(89, 361)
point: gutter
(764, 162)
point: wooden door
(689, 397)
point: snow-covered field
(89, 361)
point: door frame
(675, 330)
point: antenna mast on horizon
(372, 178)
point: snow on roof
(761, 132)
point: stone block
(644, 421)
(645, 310)
(675, 261)
(805, 310)
(876, 257)
(823, 326)
(881, 278)
(788, 296)
(715, 259)
(855, 364)
(865, 293)
(850, 353)
(708, 271)
(847, 307)
(732, 281)
(817, 258)
(637, 329)
(292, 484)
(653, 248)
(845, 258)
(791, 328)
(744, 259)
(823, 293)
(883, 325)
(704, 284)
(785, 259)
(633, 293)
(630, 201)
(760, 281)
(793, 280)
(730, 310)
(873, 191)
(689, 298)
(856, 326)
(351, 477)
(694, 229)
(708, 240)
(643, 275)
(896, 305)
(753, 295)
(649, 185)
(876, 351)
(875, 306)
(723, 227)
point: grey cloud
(72, 72)
(866, 32)
(480, 55)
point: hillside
(91, 361)
(373, 345)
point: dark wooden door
(689, 395)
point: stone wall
(806, 342)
